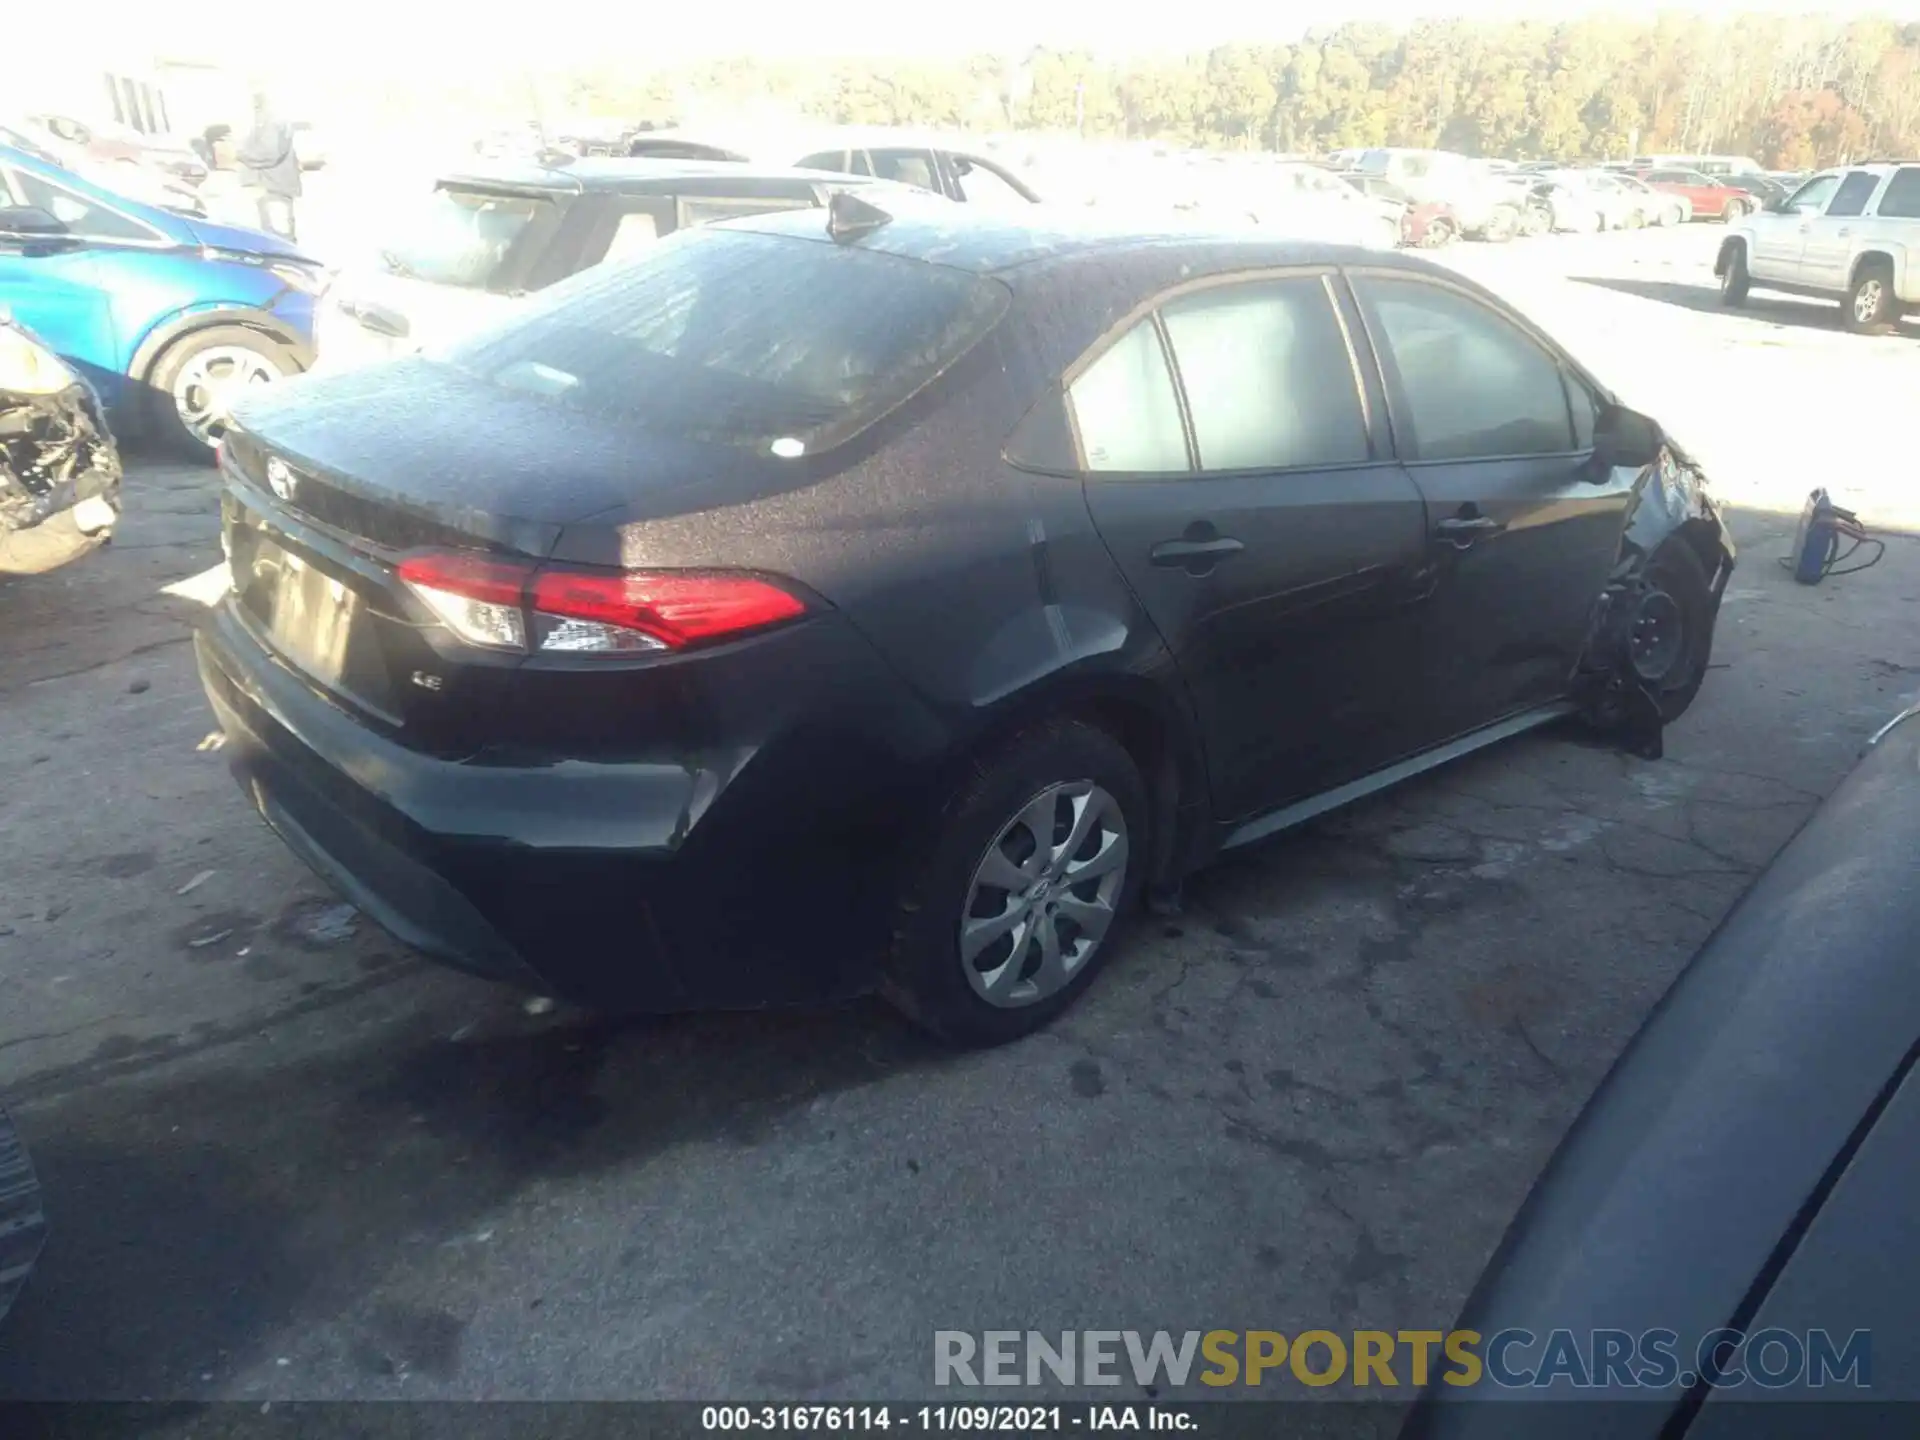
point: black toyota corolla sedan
(884, 600)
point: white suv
(1851, 235)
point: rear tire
(981, 834)
(1734, 280)
(199, 375)
(1870, 308)
(1439, 232)
(1736, 211)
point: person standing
(269, 166)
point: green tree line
(1794, 92)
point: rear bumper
(630, 886)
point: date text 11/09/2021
(996, 1419)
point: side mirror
(30, 225)
(1625, 439)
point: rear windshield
(463, 237)
(741, 338)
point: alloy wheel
(1868, 300)
(1044, 894)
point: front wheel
(1636, 221)
(1734, 281)
(1671, 639)
(1028, 870)
(200, 377)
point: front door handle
(1845, 230)
(1463, 530)
(1190, 554)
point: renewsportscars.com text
(1512, 1359)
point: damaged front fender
(59, 467)
(1670, 505)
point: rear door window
(1268, 376)
(1125, 410)
(741, 338)
(907, 167)
(475, 239)
(1467, 383)
(1854, 193)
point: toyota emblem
(280, 478)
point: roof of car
(782, 142)
(613, 173)
(966, 237)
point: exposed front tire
(195, 382)
(1671, 639)
(1734, 280)
(1870, 307)
(1027, 873)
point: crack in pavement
(81, 1075)
(88, 669)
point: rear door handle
(1177, 554)
(1465, 529)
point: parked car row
(1496, 201)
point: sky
(386, 34)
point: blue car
(169, 317)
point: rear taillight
(510, 605)
(479, 599)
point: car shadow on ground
(1762, 310)
(202, 1207)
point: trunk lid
(416, 452)
(332, 480)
